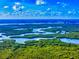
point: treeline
(38, 49)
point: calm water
(68, 40)
(69, 21)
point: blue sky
(39, 8)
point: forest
(38, 49)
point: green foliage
(48, 52)
(7, 43)
(38, 49)
(5, 54)
(73, 35)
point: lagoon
(69, 40)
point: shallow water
(22, 40)
(68, 40)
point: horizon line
(38, 17)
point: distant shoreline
(44, 21)
(38, 17)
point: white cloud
(5, 6)
(48, 9)
(58, 2)
(17, 3)
(14, 7)
(40, 2)
(17, 6)
(64, 4)
(69, 12)
(22, 7)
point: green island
(72, 35)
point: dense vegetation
(38, 49)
